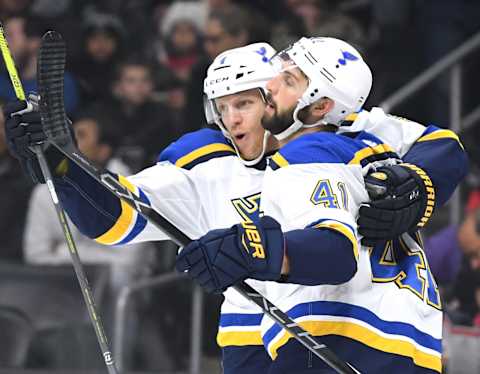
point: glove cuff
(426, 184)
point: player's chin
(250, 153)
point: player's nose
(272, 85)
(233, 118)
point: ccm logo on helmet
(218, 80)
(253, 241)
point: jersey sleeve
(399, 133)
(437, 151)
(323, 194)
(441, 155)
(169, 187)
(100, 215)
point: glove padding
(224, 257)
(23, 129)
(402, 201)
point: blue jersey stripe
(140, 223)
(329, 308)
(240, 319)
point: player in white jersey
(379, 307)
(200, 184)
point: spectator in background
(44, 242)
(316, 18)
(454, 256)
(101, 49)
(141, 125)
(444, 254)
(14, 194)
(24, 37)
(180, 28)
(322, 17)
(10, 8)
(226, 28)
(172, 93)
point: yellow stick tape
(12, 70)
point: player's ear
(320, 108)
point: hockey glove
(403, 199)
(223, 257)
(23, 129)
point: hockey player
(202, 175)
(377, 307)
(204, 180)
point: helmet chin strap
(259, 157)
(297, 123)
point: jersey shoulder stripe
(434, 133)
(340, 227)
(197, 147)
(359, 148)
(349, 120)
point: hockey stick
(53, 119)
(59, 58)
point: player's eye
(221, 109)
(242, 104)
(288, 79)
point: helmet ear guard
(211, 114)
(335, 70)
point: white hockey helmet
(334, 69)
(233, 71)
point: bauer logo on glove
(252, 241)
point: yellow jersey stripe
(369, 151)
(337, 226)
(351, 117)
(239, 338)
(202, 151)
(367, 337)
(124, 222)
(279, 160)
(440, 134)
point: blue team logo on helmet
(263, 52)
(347, 56)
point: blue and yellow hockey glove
(224, 257)
(403, 199)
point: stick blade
(50, 76)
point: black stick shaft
(77, 265)
(306, 339)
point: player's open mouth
(239, 136)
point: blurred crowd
(134, 83)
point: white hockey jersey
(200, 184)
(392, 303)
